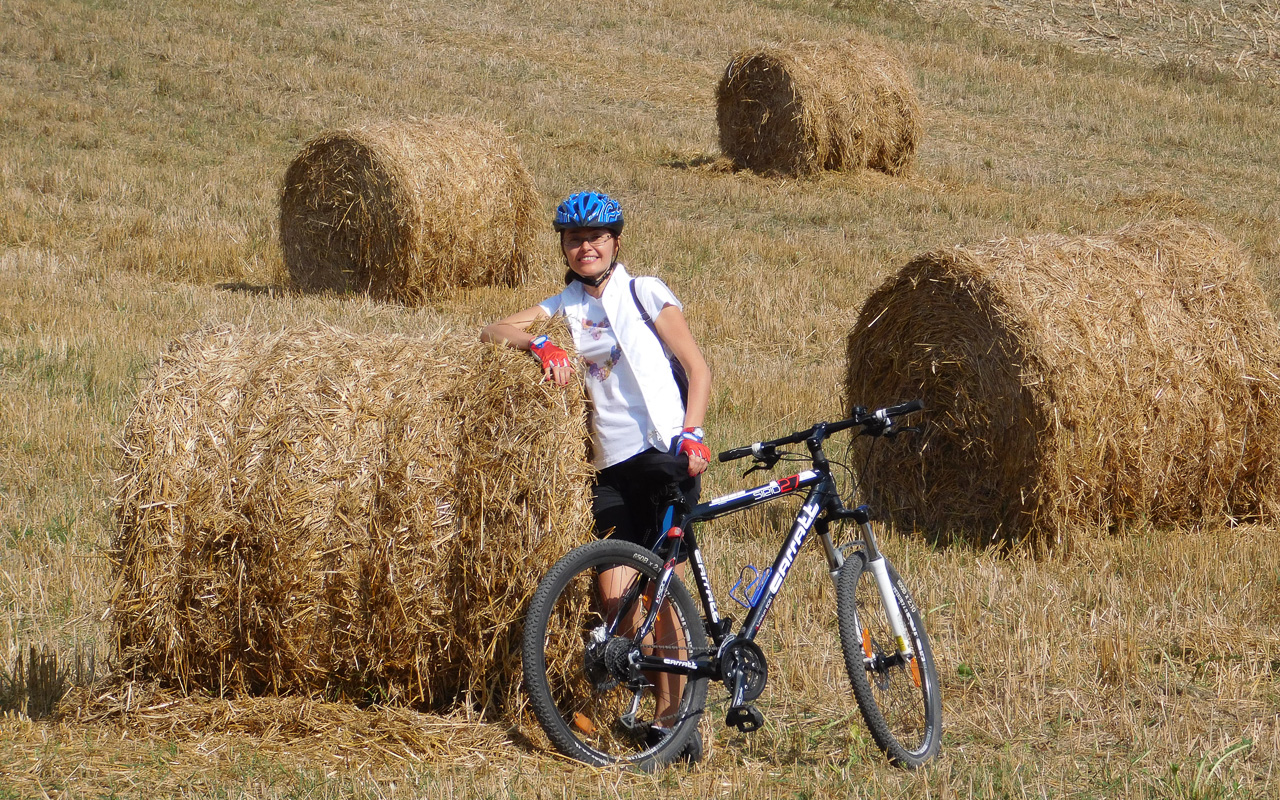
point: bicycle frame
(822, 492)
(823, 497)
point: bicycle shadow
(799, 746)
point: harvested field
(1157, 204)
(144, 149)
(1208, 41)
(1076, 384)
(810, 106)
(320, 513)
(406, 210)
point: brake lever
(895, 431)
(764, 464)
(877, 428)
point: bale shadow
(702, 162)
(37, 683)
(271, 290)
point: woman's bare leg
(667, 636)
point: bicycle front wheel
(898, 695)
(578, 648)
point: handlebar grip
(904, 408)
(735, 454)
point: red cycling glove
(548, 353)
(691, 444)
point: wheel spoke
(897, 693)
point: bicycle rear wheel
(577, 646)
(899, 697)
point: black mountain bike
(616, 655)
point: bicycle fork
(880, 571)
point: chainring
(748, 657)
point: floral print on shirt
(596, 329)
(602, 371)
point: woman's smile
(590, 251)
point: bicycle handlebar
(902, 409)
(876, 423)
(742, 452)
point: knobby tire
(905, 720)
(579, 695)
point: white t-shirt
(619, 417)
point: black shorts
(628, 499)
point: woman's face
(589, 251)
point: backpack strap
(640, 307)
(677, 369)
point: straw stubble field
(141, 152)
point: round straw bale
(408, 209)
(313, 511)
(1074, 384)
(810, 106)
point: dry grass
(141, 152)
(809, 106)
(1032, 699)
(1207, 40)
(1076, 384)
(405, 210)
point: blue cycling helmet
(588, 210)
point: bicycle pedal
(746, 719)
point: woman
(623, 329)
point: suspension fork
(880, 570)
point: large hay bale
(1075, 384)
(812, 106)
(316, 512)
(408, 209)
